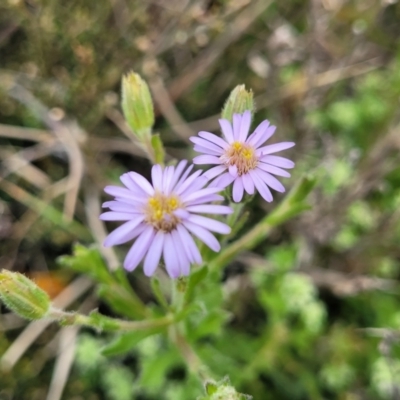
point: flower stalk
(101, 322)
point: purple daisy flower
(163, 216)
(240, 159)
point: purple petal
(135, 201)
(200, 149)
(258, 134)
(245, 126)
(154, 254)
(237, 122)
(139, 249)
(117, 191)
(181, 213)
(157, 177)
(116, 216)
(142, 183)
(214, 139)
(178, 171)
(189, 245)
(205, 159)
(170, 257)
(132, 185)
(273, 170)
(205, 199)
(237, 192)
(184, 176)
(121, 207)
(124, 233)
(210, 209)
(210, 224)
(262, 138)
(200, 193)
(278, 161)
(184, 261)
(214, 171)
(248, 184)
(207, 144)
(226, 129)
(261, 186)
(274, 148)
(205, 236)
(222, 181)
(271, 181)
(196, 185)
(180, 188)
(233, 170)
(167, 179)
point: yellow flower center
(242, 155)
(159, 212)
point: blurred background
(314, 312)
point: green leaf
(195, 278)
(122, 301)
(211, 323)
(87, 260)
(302, 189)
(127, 341)
(114, 287)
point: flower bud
(238, 102)
(137, 105)
(22, 296)
(223, 390)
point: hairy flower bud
(222, 390)
(22, 296)
(239, 101)
(137, 105)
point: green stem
(193, 361)
(102, 322)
